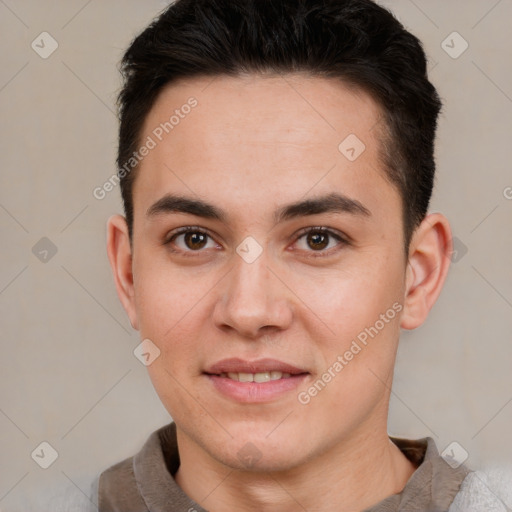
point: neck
(354, 475)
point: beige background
(68, 374)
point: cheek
(357, 361)
(166, 297)
(171, 312)
(348, 299)
(359, 309)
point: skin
(252, 145)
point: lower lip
(256, 392)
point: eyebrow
(331, 203)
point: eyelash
(343, 241)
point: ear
(429, 260)
(120, 257)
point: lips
(236, 365)
(260, 381)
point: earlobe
(120, 257)
(427, 267)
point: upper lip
(236, 365)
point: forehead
(297, 108)
(257, 134)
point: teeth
(262, 377)
(256, 377)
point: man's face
(254, 285)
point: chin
(261, 460)
(259, 452)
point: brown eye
(317, 241)
(195, 240)
(320, 241)
(190, 239)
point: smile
(256, 377)
(263, 380)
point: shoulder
(70, 497)
(117, 489)
(133, 484)
(486, 490)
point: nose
(253, 301)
